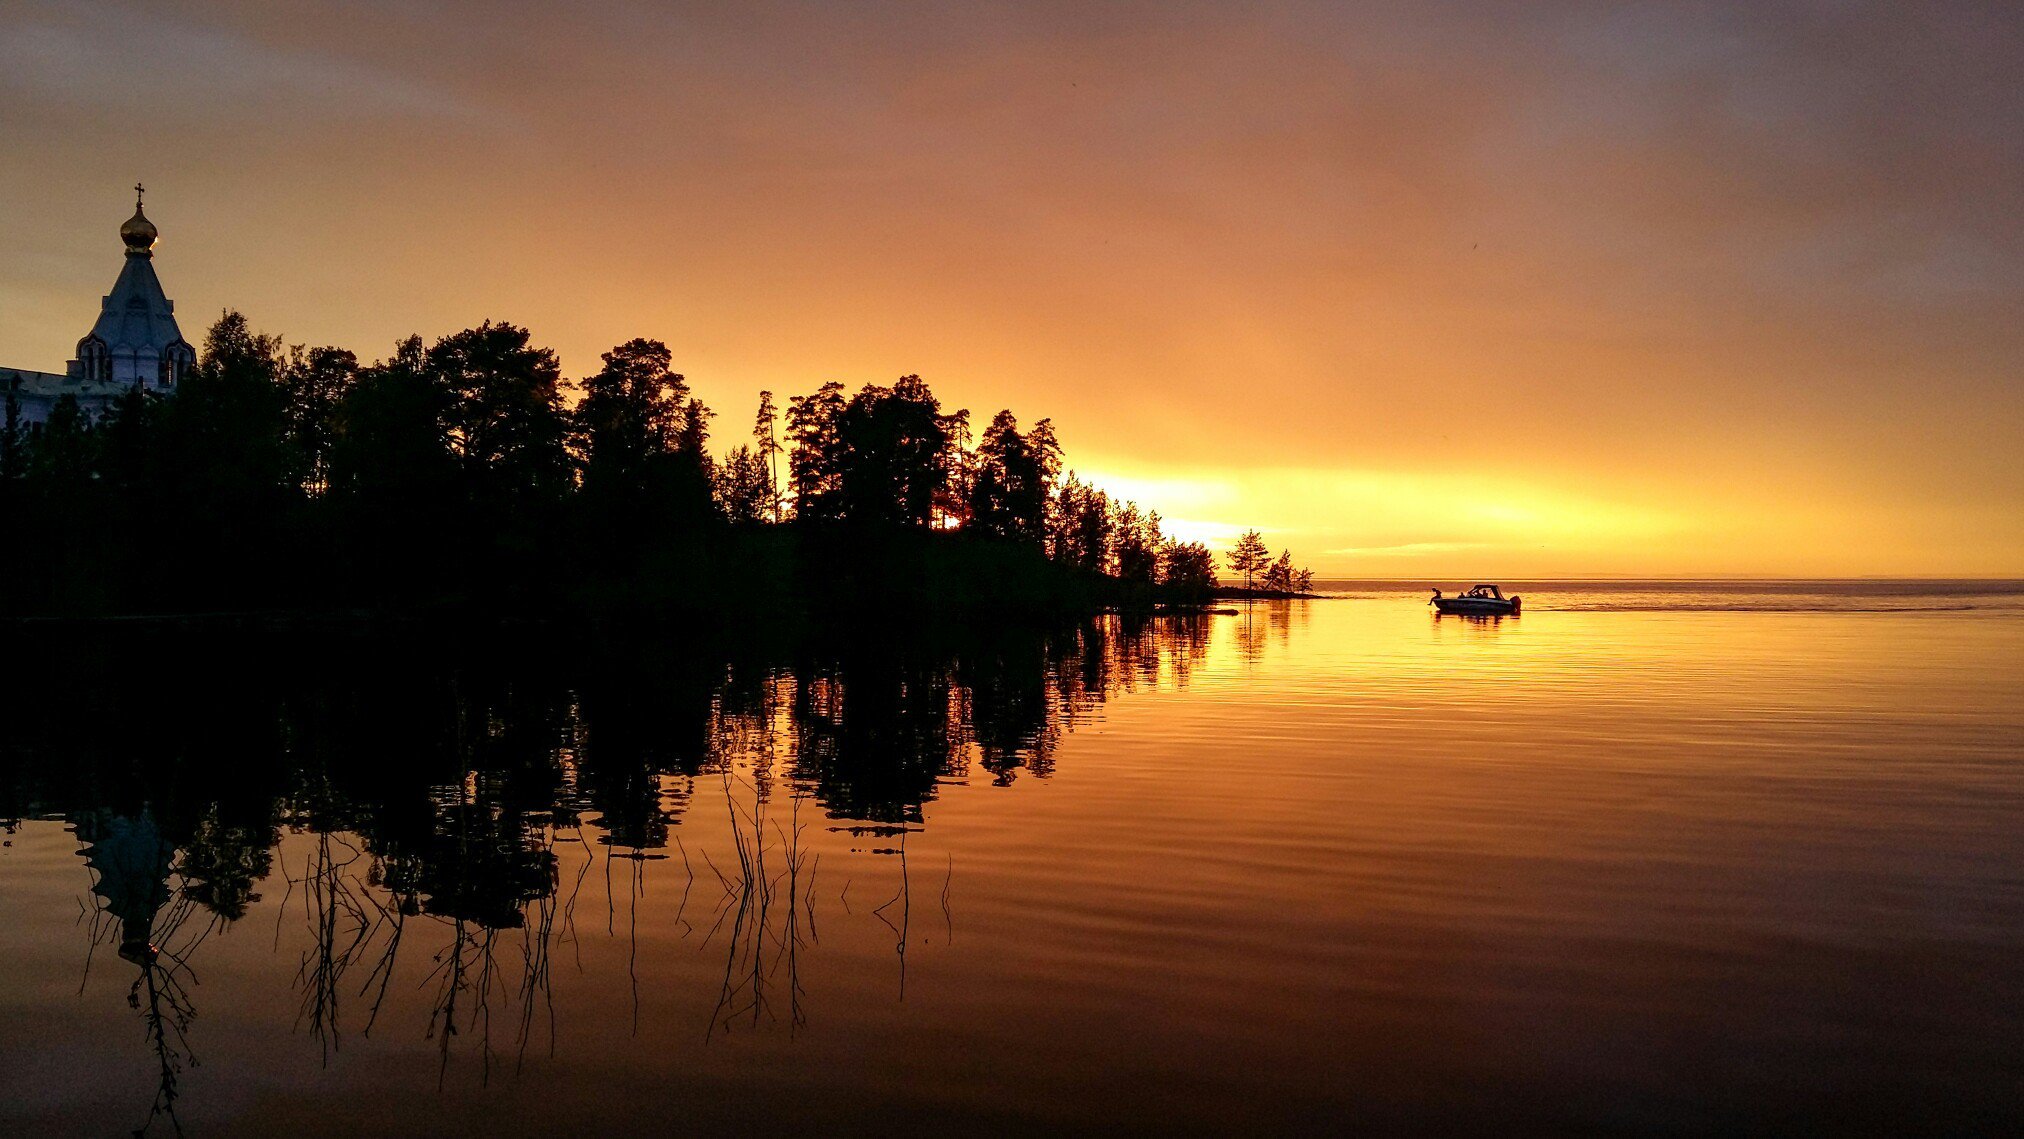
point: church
(134, 343)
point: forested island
(469, 472)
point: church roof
(136, 314)
(51, 385)
(134, 343)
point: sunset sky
(1419, 290)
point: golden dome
(139, 233)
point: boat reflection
(1480, 623)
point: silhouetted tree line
(464, 468)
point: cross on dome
(139, 233)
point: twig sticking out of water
(948, 916)
(905, 898)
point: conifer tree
(1080, 525)
(896, 456)
(815, 465)
(1280, 575)
(1188, 570)
(743, 487)
(1249, 557)
(640, 438)
(1135, 545)
(1014, 481)
(767, 440)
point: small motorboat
(1480, 601)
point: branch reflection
(429, 815)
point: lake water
(1679, 857)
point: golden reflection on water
(1306, 864)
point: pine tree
(1280, 575)
(1188, 570)
(897, 456)
(743, 487)
(815, 465)
(768, 442)
(634, 432)
(1249, 557)
(1135, 544)
(1013, 486)
(1080, 525)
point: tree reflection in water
(156, 928)
(431, 788)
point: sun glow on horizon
(1439, 289)
(1391, 517)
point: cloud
(1405, 550)
(1215, 535)
(111, 59)
(1715, 287)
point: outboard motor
(1517, 603)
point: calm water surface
(1654, 856)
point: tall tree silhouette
(896, 455)
(1013, 480)
(766, 440)
(744, 487)
(1135, 543)
(227, 448)
(632, 432)
(1279, 575)
(813, 423)
(1188, 570)
(391, 465)
(1081, 526)
(314, 383)
(1249, 557)
(507, 425)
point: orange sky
(1421, 290)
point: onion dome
(138, 233)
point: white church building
(134, 343)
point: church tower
(136, 341)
